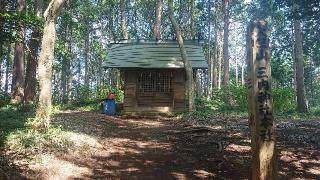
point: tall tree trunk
(192, 21)
(42, 120)
(209, 82)
(123, 25)
(226, 75)
(214, 65)
(187, 65)
(100, 60)
(242, 74)
(112, 20)
(86, 59)
(32, 62)
(301, 99)
(18, 64)
(66, 75)
(156, 29)
(220, 52)
(66, 65)
(6, 83)
(1, 59)
(237, 72)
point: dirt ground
(170, 148)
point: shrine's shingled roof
(154, 55)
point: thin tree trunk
(209, 82)
(18, 64)
(215, 59)
(192, 23)
(187, 65)
(220, 60)
(301, 99)
(226, 75)
(86, 60)
(242, 74)
(112, 22)
(6, 83)
(156, 29)
(294, 60)
(237, 73)
(100, 73)
(66, 65)
(32, 63)
(42, 120)
(1, 59)
(123, 25)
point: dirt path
(129, 148)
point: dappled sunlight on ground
(107, 147)
(53, 168)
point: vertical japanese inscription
(260, 102)
(262, 66)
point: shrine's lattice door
(154, 88)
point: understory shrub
(283, 99)
(16, 133)
(234, 98)
(32, 142)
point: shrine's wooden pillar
(261, 119)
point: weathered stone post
(261, 119)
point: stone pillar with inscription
(261, 119)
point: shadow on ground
(163, 148)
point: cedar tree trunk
(18, 64)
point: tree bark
(86, 59)
(226, 75)
(1, 59)
(300, 89)
(242, 74)
(66, 76)
(220, 54)
(123, 25)
(156, 29)
(192, 23)
(187, 65)
(42, 120)
(210, 69)
(32, 62)
(18, 64)
(6, 83)
(215, 59)
(237, 72)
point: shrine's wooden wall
(135, 101)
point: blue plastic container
(109, 107)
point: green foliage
(4, 99)
(231, 97)
(234, 99)
(12, 118)
(17, 134)
(103, 90)
(87, 106)
(283, 99)
(27, 140)
(315, 110)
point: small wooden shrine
(154, 74)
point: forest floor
(169, 148)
